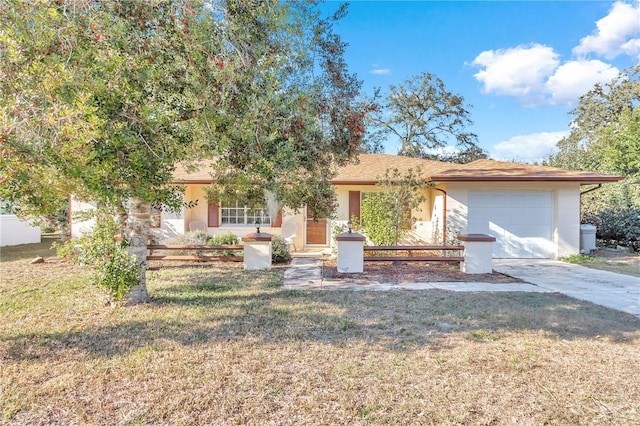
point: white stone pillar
(350, 252)
(257, 251)
(478, 250)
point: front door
(316, 230)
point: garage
(521, 222)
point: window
(236, 214)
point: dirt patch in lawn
(627, 263)
(400, 272)
(618, 256)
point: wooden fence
(197, 248)
(414, 253)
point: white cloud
(535, 75)
(575, 78)
(518, 71)
(380, 71)
(527, 148)
(616, 34)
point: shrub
(225, 239)
(280, 250)
(115, 269)
(378, 219)
(615, 211)
(386, 215)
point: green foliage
(378, 220)
(103, 99)
(119, 92)
(386, 215)
(425, 118)
(615, 212)
(225, 239)
(605, 137)
(228, 238)
(280, 252)
(581, 258)
(603, 120)
(115, 269)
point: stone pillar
(257, 251)
(478, 249)
(350, 252)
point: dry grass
(612, 261)
(221, 346)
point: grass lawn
(223, 346)
(619, 262)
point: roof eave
(581, 179)
(192, 181)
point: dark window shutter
(354, 204)
(276, 222)
(214, 216)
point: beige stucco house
(532, 211)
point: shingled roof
(490, 170)
(371, 167)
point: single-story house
(532, 211)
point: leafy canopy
(103, 99)
(425, 118)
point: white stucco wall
(14, 231)
(79, 225)
(200, 212)
(171, 224)
(565, 209)
(566, 219)
(436, 224)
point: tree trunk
(138, 225)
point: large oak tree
(426, 120)
(102, 99)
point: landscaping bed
(400, 272)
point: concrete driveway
(616, 291)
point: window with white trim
(236, 214)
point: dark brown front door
(316, 230)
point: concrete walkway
(616, 291)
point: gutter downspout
(444, 215)
(590, 189)
(586, 192)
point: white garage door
(521, 222)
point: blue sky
(521, 65)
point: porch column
(350, 252)
(257, 251)
(478, 249)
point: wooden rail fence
(200, 248)
(412, 255)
